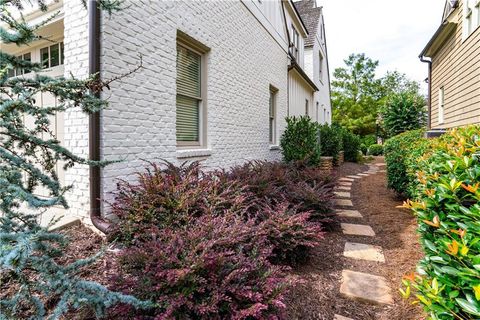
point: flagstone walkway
(356, 284)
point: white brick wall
(76, 123)
(243, 62)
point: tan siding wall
(456, 67)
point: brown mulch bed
(319, 297)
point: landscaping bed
(319, 298)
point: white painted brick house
(218, 80)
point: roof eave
(439, 38)
(302, 73)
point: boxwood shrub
(375, 150)
(351, 145)
(448, 212)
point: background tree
(402, 112)
(44, 288)
(403, 107)
(356, 94)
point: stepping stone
(362, 251)
(362, 174)
(339, 317)
(354, 177)
(342, 194)
(344, 188)
(357, 230)
(365, 287)
(349, 214)
(345, 183)
(382, 164)
(343, 203)
(382, 171)
(346, 179)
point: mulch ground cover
(319, 297)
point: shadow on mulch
(319, 297)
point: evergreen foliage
(300, 141)
(28, 158)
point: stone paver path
(356, 284)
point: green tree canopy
(356, 94)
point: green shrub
(300, 142)
(351, 145)
(364, 149)
(403, 112)
(375, 150)
(401, 153)
(331, 142)
(448, 212)
(368, 140)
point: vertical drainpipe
(94, 118)
(429, 98)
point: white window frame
(61, 55)
(272, 116)
(307, 107)
(316, 111)
(441, 105)
(471, 20)
(295, 43)
(193, 45)
(21, 71)
(320, 66)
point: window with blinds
(272, 113)
(189, 96)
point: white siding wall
(243, 62)
(298, 92)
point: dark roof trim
(302, 73)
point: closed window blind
(272, 117)
(188, 95)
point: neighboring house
(316, 58)
(217, 82)
(453, 55)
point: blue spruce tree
(28, 158)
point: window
(472, 17)
(189, 96)
(19, 71)
(272, 115)
(52, 56)
(441, 105)
(295, 45)
(324, 114)
(306, 107)
(320, 66)
(316, 112)
(477, 10)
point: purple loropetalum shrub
(291, 233)
(166, 195)
(216, 268)
(303, 187)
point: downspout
(94, 118)
(429, 97)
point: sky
(394, 32)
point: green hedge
(447, 205)
(401, 152)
